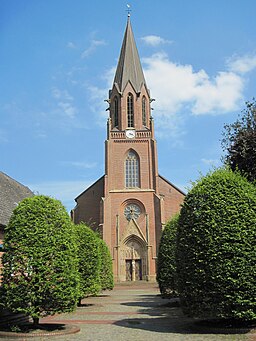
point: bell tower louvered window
(132, 170)
(116, 122)
(144, 114)
(130, 111)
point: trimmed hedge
(216, 251)
(166, 261)
(40, 274)
(106, 267)
(89, 260)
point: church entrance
(133, 259)
(133, 270)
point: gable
(11, 193)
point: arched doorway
(133, 259)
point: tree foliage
(89, 260)
(106, 267)
(239, 141)
(216, 248)
(40, 274)
(166, 262)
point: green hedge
(89, 259)
(166, 262)
(106, 267)
(40, 274)
(216, 243)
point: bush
(106, 268)
(40, 274)
(216, 248)
(89, 260)
(166, 262)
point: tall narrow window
(144, 115)
(130, 110)
(132, 170)
(115, 112)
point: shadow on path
(167, 317)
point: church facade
(131, 203)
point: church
(130, 204)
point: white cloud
(94, 44)
(68, 109)
(211, 162)
(71, 45)
(242, 64)
(154, 40)
(81, 164)
(65, 102)
(178, 87)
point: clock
(132, 211)
(130, 133)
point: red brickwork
(133, 242)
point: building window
(144, 115)
(130, 110)
(115, 112)
(132, 170)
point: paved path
(137, 313)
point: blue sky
(58, 59)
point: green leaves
(239, 142)
(40, 274)
(216, 254)
(166, 262)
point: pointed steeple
(129, 66)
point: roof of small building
(11, 193)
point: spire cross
(128, 10)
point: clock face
(132, 211)
(130, 134)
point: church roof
(129, 66)
(11, 192)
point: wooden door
(128, 269)
(138, 270)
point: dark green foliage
(166, 262)
(40, 274)
(216, 251)
(239, 141)
(89, 260)
(106, 271)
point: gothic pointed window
(130, 110)
(116, 112)
(132, 170)
(144, 113)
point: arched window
(132, 170)
(115, 112)
(130, 110)
(144, 114)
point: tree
(239, 141)
(40, 274)
(89, 260)
(106, 271)
(166, 261)
(216, 248)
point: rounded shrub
(40, 274)
(216, 254)
(166, 261)
(88, 261)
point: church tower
(130, 204)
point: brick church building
(131, 202)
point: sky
(58, 59)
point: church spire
(129, 66)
